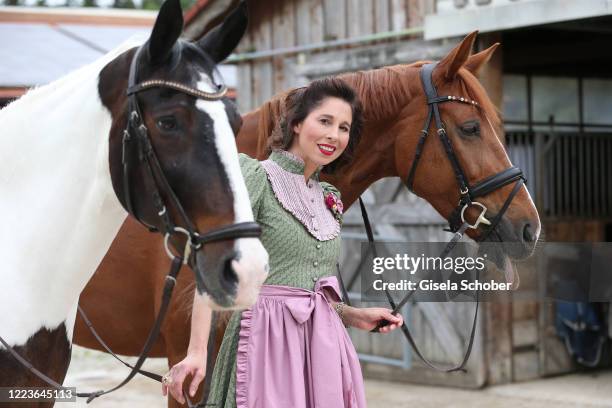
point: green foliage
(187, 3)
(126, 4)
(156, 4)
(151, 4)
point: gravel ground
(91, 370)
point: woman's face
(324, 134)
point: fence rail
(569, 174)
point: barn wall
(285, 24)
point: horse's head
(469, 148)
(173, 157)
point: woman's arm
(366, 318)
(195, 361)
(200, 326)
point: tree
(151, 4)
(126, 4)
(187, 3)
(156, 4)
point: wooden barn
(552, 81)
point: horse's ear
(477, 61)
(221, 40)
(449, 66)
(167, 29)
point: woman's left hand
(368, 318)
(193, 364)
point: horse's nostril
(229, 277)
(527, 233)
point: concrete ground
(91, 370)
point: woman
(290, 349)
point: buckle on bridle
(481, 218)
(142, 130)
(188, 244)
(195, 246)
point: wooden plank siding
(311, 21)
(282, 24)
(283, 36)
(244, 75)
(334, 13)
(382, 21)
(261, 75)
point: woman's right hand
(194, 364)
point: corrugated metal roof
(104, 37)
(36, 54)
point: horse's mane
(373, 88)
(383, 92)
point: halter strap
(432, 100)
(137, 132)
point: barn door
(440, 329)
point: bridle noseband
(137, 133)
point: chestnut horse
(79, 154)
(394, 110)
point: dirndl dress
(290, 349)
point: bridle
(457, 222)
(137, 133)
(468, 194)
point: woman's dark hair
(301, 101)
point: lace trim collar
(304, 200)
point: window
(555, 102)
(563, 103)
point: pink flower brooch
(334, 204)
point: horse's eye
(166, 123)
(470, 129)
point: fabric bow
(301, 307)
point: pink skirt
(293, 351)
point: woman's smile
(326, 149)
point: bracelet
(340, 310)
